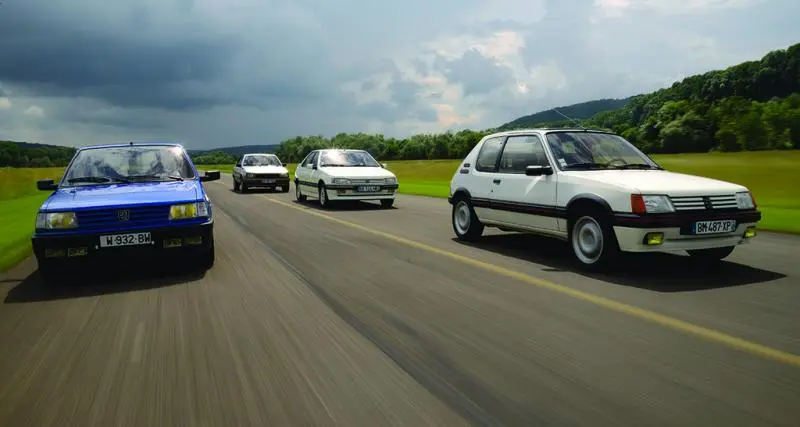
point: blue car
(125, 202)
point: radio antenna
(569, 118)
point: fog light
(172, 243)
(195, 240)
(72, 252)
(653, 239)
(749, 232)
(54, 253)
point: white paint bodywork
(615, 187)
(307, 178)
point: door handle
(496, 181)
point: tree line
(24, 155)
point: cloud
(210, 73)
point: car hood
(115, 195)
(358, 172)
(265, 169)
(660, 182)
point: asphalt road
(366, 317)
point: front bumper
(350, 191)
(165, 241)
(674, 232)
(267, 182)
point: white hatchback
(260, 170)
(338, 174)
(600, 193)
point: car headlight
(248, 175)
(391, 180)
(341, 180)
(744, 200)
(188, 210)
(284, 174)
(641, 204)
(56, 220)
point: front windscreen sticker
(562, 162)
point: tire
(322, 194)
(243, 187)
(236, 186)
(713, 254)
(387, 203)
(298, 194)
(285, 188)
(465, 222)
(593, 242)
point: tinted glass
(348, 158)
(603, 150)
(141, 163)
(261, 160)
(522, 151)
(487, 157)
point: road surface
(360, 316)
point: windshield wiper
(333, 165)
(586, 165)
(173, 177)
(636, 166)
(97, 179)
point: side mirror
(314, 166)
(210, 176)
(384, 165)
(46, 185)
(238, 164)
(538, 170)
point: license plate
(714, 227)
(268, 181)
(130, 239)
(368, 188)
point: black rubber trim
(682, 220)
(527, 208)
(350, 186)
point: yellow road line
(640, 313)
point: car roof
(546, 130)
(260, 154)
(132, 144)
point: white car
(338, 174)
(600, 193)
(260, 170)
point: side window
(312, 159)
(522, 151)
(487, 157)
(241, 161)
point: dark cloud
(477, 74)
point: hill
(584, 110)
(26, 154)
(754, 105)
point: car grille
(368, 181)
(143, 216)
(697, 203)
(266, 175)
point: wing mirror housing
(384, 165)
(538, 170)
(46, 185)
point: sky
(215, 73)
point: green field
(769, 174)
(19, 201)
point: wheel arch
(459, 194)
(586, 201)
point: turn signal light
(637, 204)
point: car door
(303, 171)
(519, 199)
(479, 181)
(238, 172)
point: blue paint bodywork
(97, 208)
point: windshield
(261, 160)
(347, 158)
(124, 164)
(594, 150)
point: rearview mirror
(384, 165)
(538, 170)
(210, 176)
(46, 185)
(238, 164)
